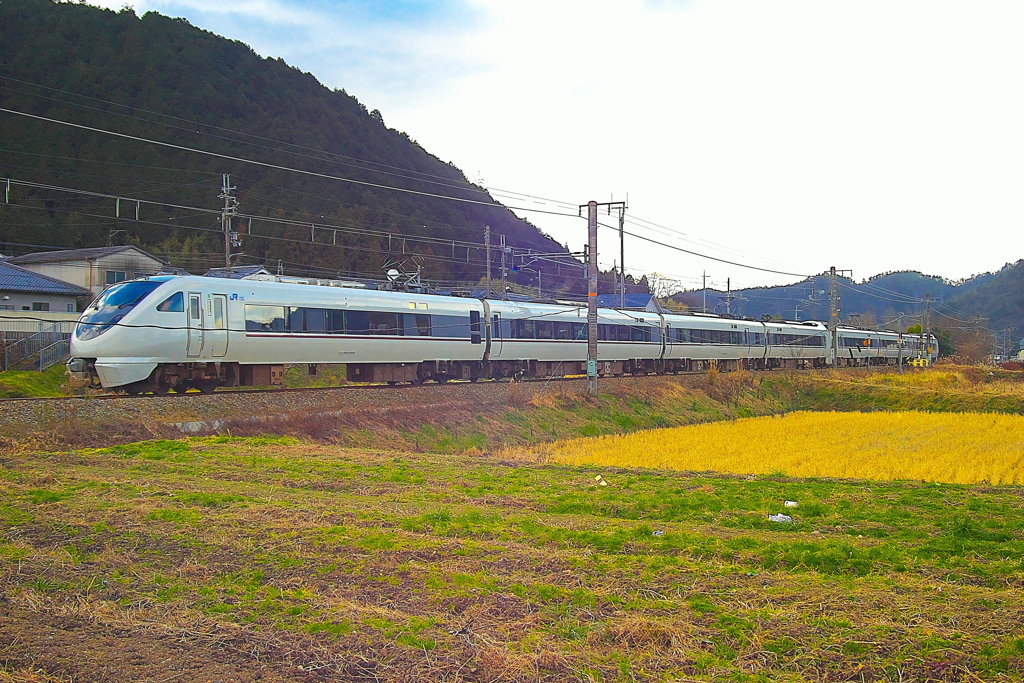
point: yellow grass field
(941, 447)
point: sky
(787, 135)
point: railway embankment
(465, 417)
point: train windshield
(112, 305)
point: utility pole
(622, 255)
(592, 297)
(926, 340)
(230, 209)
(592, 287)
(487, 245)
(504, 271)
(834, 308)
(704, 291)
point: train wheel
(162, 388)
(181, 387)
(206, 387)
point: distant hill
(891, 299)
(161, 78)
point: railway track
(347, 387)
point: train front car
(126, 333)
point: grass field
(232, 559)
(962, 448)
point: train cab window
(264, 318)
(383, 323)
(175, 303)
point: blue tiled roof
(16, 279)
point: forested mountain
(891, 299)
(163, 79)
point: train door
(217, 332)
(475, 333)
(496, 334)
(195, 325)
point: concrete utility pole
(592, 297)
(704, 291)
(592, 287)
(487, 245)
(926, 340)
(834, 308)
(504, 270)
(230, 209)
(622, 255)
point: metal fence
(49, 345)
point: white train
(173, 333)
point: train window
(451, 326)
(264, 318)
(579, 331)
(175, 303)
(357, 322)
(526, 329)
(562, 330)
(638, 334)
(416, 324)
(295, 316)
(545, 329)
(383, 323)
(336, 321)
(315, 319)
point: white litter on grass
(784, 519)
(791, 503)
(600, 480)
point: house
(24, 290)
(236, 272)
(94, 269)
(635, 302)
